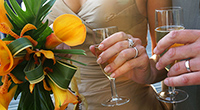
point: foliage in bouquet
(28, 64)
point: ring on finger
(136, 52)
(130, 43)
(187, 65)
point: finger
(176, 53)
(184, 79)
(133, 69)
(112, 51)
(92, 49)
(117, 48)
(130, 65)
(180, 68)
(114, 38)
(178, 36)
(123, 57)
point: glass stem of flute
(113, 88)
(171, 89)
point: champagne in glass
(102, 66)
(164, 30)
(168, 19)
(115, 100)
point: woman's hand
(178, 74)
(125, 63)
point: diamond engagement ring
(130, 43)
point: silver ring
(130, 43)
(136, 52)
(187, 65)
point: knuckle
(196, 48)
(172, 52)
(185, 79)
(113, 65)
(124, 53)
(176, 67)
(121, 34)
(138, 41)
(174, 34)
(145, 58)
(120, 45)
(142, 49)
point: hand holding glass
(115, 100)
(168, 19)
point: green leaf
(45, 9)
(34, 72)
(26, 99)
(42, 98)
(70, 51)
(18, 71)
(21, 14)
(18, 46)
(42, 29)
(42, 37)
(62, 74)
(71, 60)
(34, 14)
(13, 17)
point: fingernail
(107, 69)
(112, 75)
(101, 46)
(166, 81)
(99, 60)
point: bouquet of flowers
(28, 63)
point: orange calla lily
(69, 29)
(3, 13)
(62, 97)
(4, 28)
(6, 59)
(6, 96)
(52, 41)
(47, 54)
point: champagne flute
(115, 100)
(168, 19)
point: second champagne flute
(168, 19)
(115, 100)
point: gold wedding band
(187, 65)
(136, 52)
